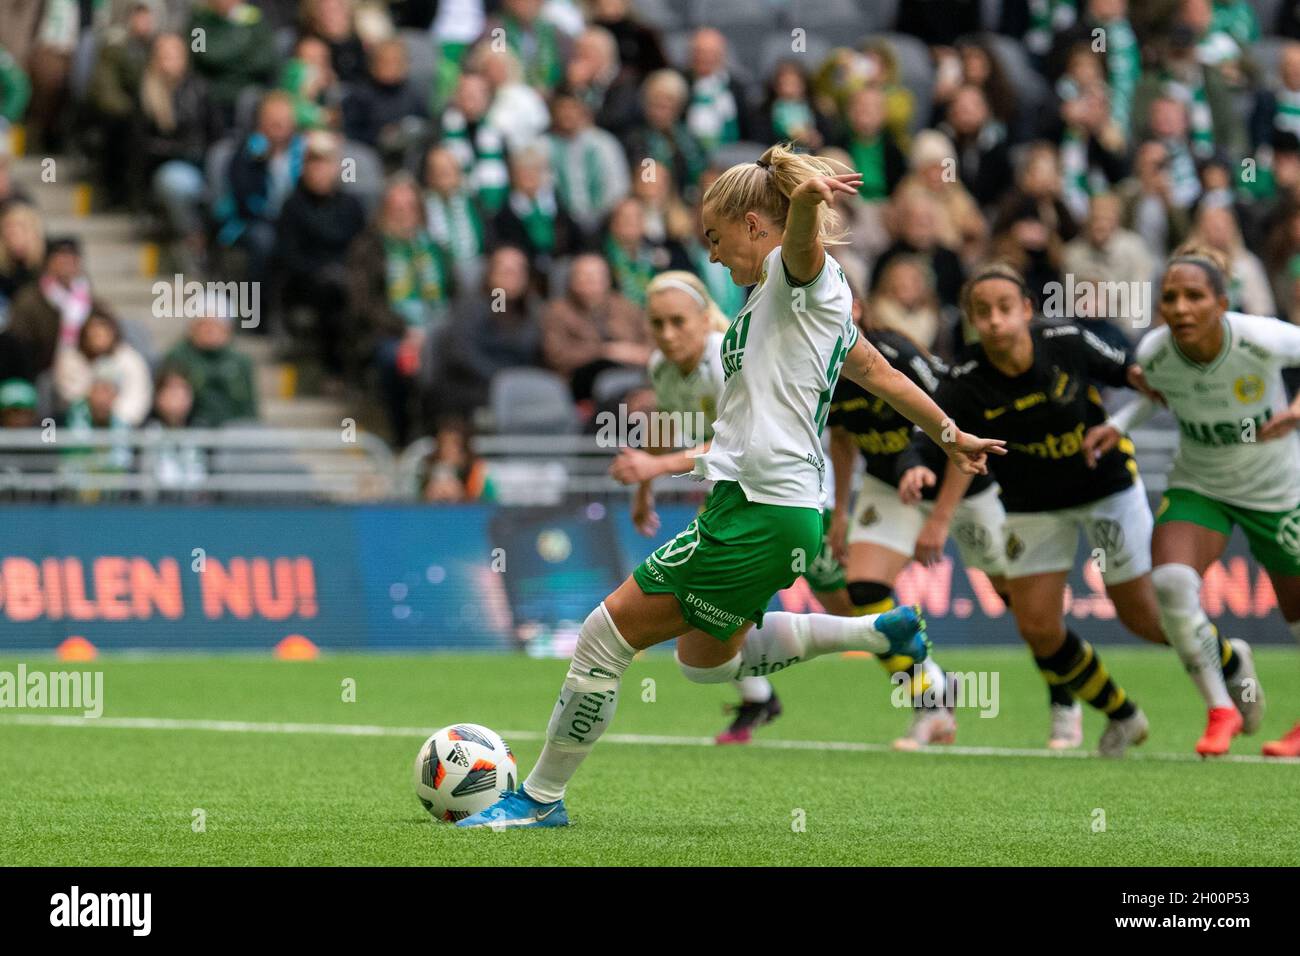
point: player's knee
(717, 674)
(1178, 589)
(870, 597)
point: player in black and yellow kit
(1035, 385)
(899, 513)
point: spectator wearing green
(589, 164)
(537, 43)
(221, 376)
(15, 88)
(1123, 57)
(871, 146)
(478, 145)
(454, 216)
(233, 49)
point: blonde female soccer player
(781, 358)
(1238, 463)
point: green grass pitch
(101, 794)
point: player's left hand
(820, 189)
(1280, 426)
(633, 466)
(970, 452)
(912, 483)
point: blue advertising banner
(472, 577)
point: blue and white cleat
(516, 810)
(904, 627)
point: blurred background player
(1238, 463)
(900, 513)
(1031, 384)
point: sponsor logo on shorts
(679, 550)
(870, 516)
(1109, 536)
(1015, 547)
(1288, 533)
(712, 613)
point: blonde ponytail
(765, 187)
(675, 279)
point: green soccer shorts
(725, 567)
(1273, 536)
(825, 574)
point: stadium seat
(734, 153)
(832, 19)
(1032, 87)
(1266, 11)
(421, 57)
(1267, 54)
(368, 183)
(613, 384)
(215, 165)
(532, 401)
(661, 14)
(777, 48)
(246, 108)
(83, 64)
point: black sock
(1229, 658)
(1078, 666)
(1059, 694)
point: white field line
(378, 730)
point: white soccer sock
(585, 708)
(1194, 638)
(754, 690)
(785, 639)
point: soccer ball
(460, 770)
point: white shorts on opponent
(977, 524)
(1117, 528)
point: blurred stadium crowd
(435, 194)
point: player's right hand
(913, 481)
(644, 517)
(1098, 441)
(632, 466)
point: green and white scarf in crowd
(416, 278)
(579, 174)
(1237, 19)
(1047, 18)
(537, 213)
(482, 159)
(455, 225)
(538, 50)
(1123, 68)
(712, 115)
(631, 273)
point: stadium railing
(327, 465)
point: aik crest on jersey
(1221, 407)
(781, 357)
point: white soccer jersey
(694, 394)
(781, 358)
(1221, 407)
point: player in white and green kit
(762, 524)
(1238, 463)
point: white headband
(670, 282)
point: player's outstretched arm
(866, 366)
(801, 245)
